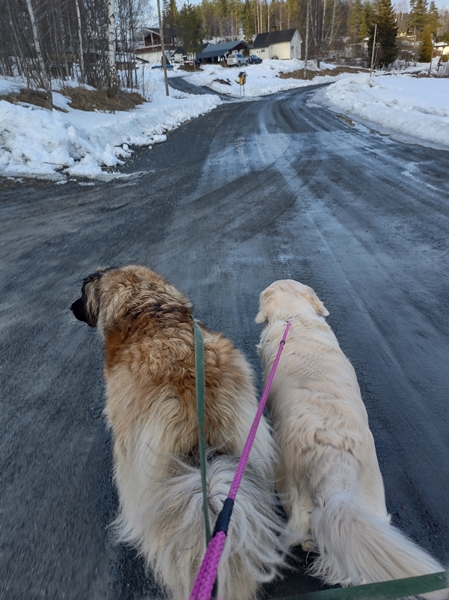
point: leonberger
(331, 484)
(146, 326)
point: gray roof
(214, 50)
(264, 40)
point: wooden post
(372, 50)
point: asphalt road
(249, 193)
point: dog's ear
(265, 306)
(86, 308)
(79, 310)
(319, 307)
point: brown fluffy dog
(328, 471)
(147, 330)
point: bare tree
(37, 46)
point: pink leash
(205, 580)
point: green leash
(386, 590)
(201, 418)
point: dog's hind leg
(299, 507)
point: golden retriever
(328, 474)
(147, 329)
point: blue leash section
(201, 418)
(386, 590)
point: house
(150, 50)
(442, 48)
(285, 44)
(215, 53)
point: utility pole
(164, 58)
(372, 50)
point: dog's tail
(357, 546)
(174, 540)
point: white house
(285, 44)
(442, 48)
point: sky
(75, 145)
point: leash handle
(205, 580)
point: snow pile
(55, 144)
(403, 105)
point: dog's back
(328, 472)
(147, 329)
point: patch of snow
(399, 104)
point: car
(254, 60)
(236, 60)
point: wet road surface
(249, 193)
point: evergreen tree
(169, 14)
(248, 24)
(387, 30)
(433, 18)
(355, 20)
(191, 30)
(426, 47)
(418, 16)
(368, 18)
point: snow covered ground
(68, 144)
(408, 108)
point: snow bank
(407, 106)
(53, 144)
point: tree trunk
(80, 39)
(112, 83)
(43, 73)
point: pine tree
(433, 18)
(386, 34)
(191, 28)
(248, 24)
(169, 14)
(355, 20)
(368, 19)
(418, 15)
(426, 47)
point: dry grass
(89, 100)
(190, 68)
(80, 99)
(28, 96)
(311, 74)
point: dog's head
(286, 299)
(111, 294)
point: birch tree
(45, 80)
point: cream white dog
(328, 474)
